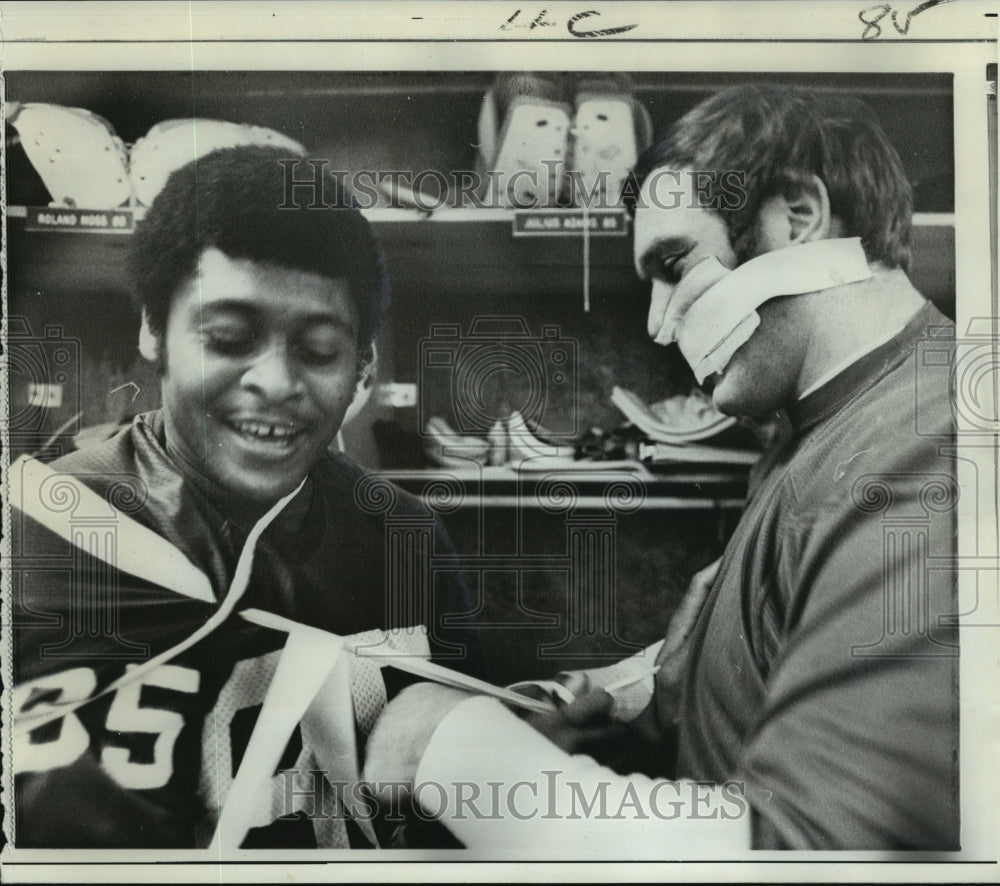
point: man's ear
(800, 213)
(367, 374)
(149, 343)
(807, 209)
(366, 365)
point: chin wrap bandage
(713, 311)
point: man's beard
(746, 243)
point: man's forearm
(498, 785)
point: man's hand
(401, 736)
(585, 726)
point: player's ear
(799, 213)
(366, 366)
(807, 210)
(367, 375)
(149, 342)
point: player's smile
(266, 437)
(261, 363)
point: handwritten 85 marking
(574, 24)
(873, 15)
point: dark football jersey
(138, 694)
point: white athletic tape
(667, 308)
(55, 500)
(158, 553)
(713, 312)
(411, 664)
(307, 661)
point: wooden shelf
(452, 251)
(590, 486)
(449, 215)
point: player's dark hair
(238, 201)
(774, 136)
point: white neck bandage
(721, 305)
